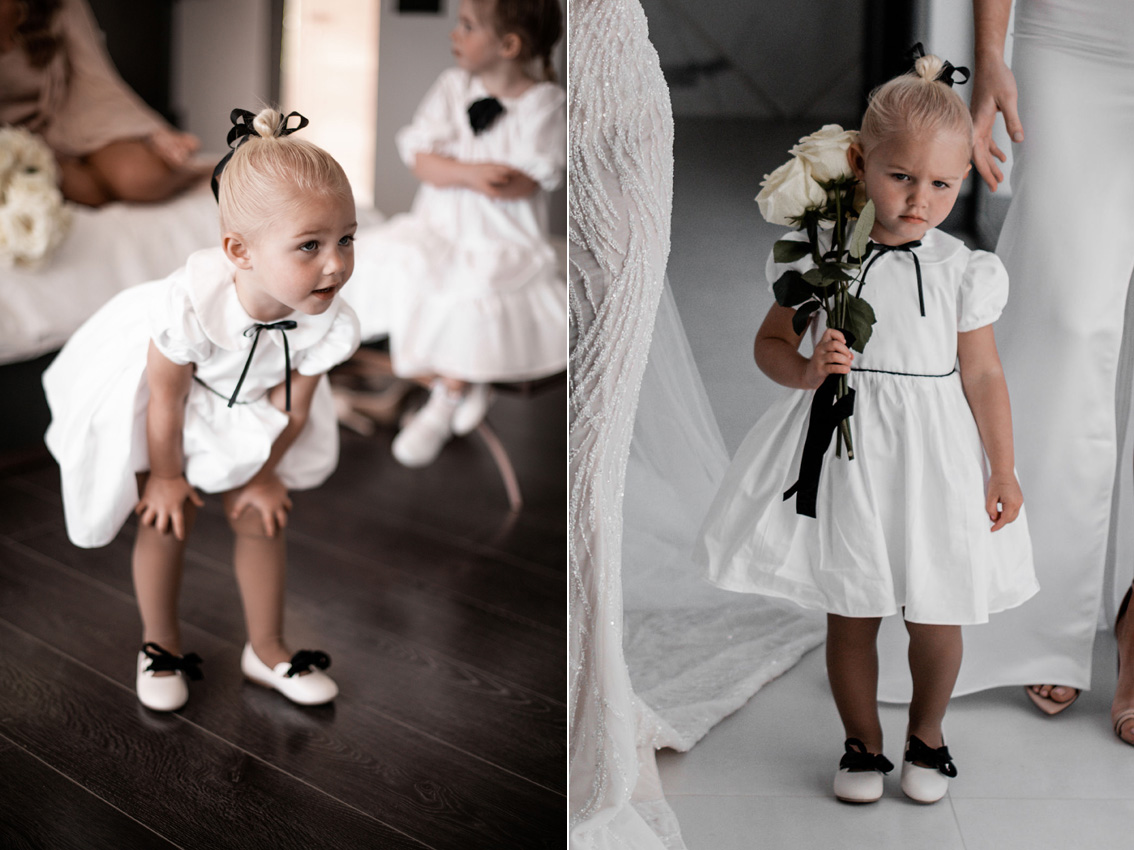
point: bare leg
(132, 171)
(852, 669)
(455, 385)
(157, 566)
(935, 661)
(261, 566)
(80, 183)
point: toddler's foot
(297, 679)
(470, 412)
(926, 771)
(162, 681)
(420, 441)
(859, 778)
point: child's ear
(236, 249)
(856, 159)
(510, 46)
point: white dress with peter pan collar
(98, 395)
(465, 285)
(902, 526)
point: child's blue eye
(309, 246)
(901, 177)
(347, 240)
(940, 184)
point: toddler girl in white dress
(466, 284)
(918, 523)
(214, 379)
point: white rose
(788, 191)
(825, 151)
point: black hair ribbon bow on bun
(254, 332)
(483, 113)
(949, 71)
(241, 129)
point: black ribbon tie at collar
(254, 332)
(483, 114)
(880, 250)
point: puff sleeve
(175, 328)
(431, 130)
(983, 291)
(339, 343)
(541, 150)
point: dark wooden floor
(445, 620)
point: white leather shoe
(165, 693)
(470, 412)
(926, 784)
(420, 441)
(298, 680)
(859, 778)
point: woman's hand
(994, 90)
(1004, 500)
(831, 357)
(163, 504)
(265, 494)
(174, 147)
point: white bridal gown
(694, 653)
(1068, 245)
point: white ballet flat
(926, 784)
(421, 440)
(859, 777)
(165, 693)
(470, 412)
(298, 680)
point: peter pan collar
(211, 283)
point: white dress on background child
(98, 394)
(465, 285)
(903, 524)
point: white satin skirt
(1068, 245)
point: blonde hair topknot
(915, 102)
(271, 165)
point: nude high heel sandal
(1125, 715)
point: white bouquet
(33, 216)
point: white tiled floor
(762, 777)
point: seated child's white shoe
(165, 693)
(926, 784)
(420, 441)
(470, 412)
(298, 680)
(859, 778)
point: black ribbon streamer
(162, 660)
(483, 113)
(881, 250)
(305, 659)
(241, 129)
(254, 332)
(939, 758)
(827, 412)
(857, 758)
(949, 71)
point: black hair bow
(241, 129)
(949, 71)
(483, 113)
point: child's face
(298, 262)
(913, 182)
(476, 46)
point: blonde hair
(269, 165)
(915, 102)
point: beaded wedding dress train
(657, 656)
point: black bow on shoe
(483, 113)
(162, 660)
(857, 759)
(920, 752)
(305, 659)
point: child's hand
(163, 504)
(266, 494)
(501, 182)
(1004, 500)
(519, 185)
(831, 357)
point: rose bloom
(788, 192)
(825, 152)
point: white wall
(221, 60)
